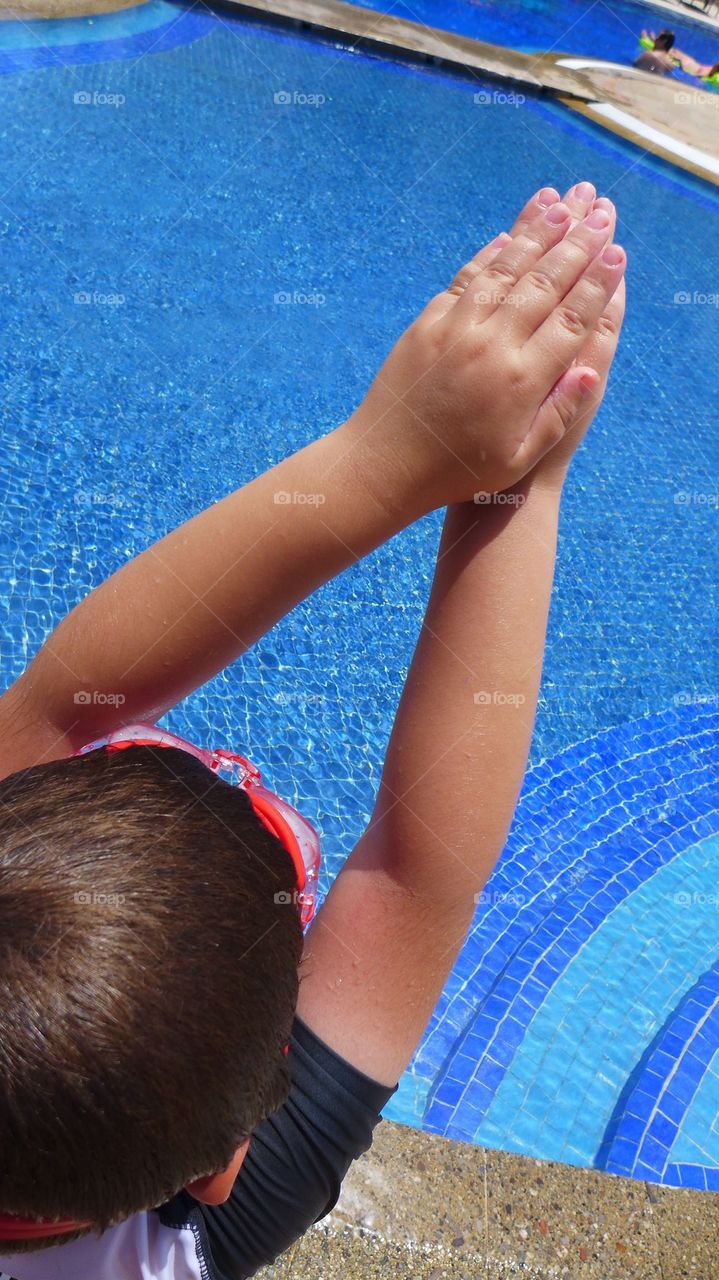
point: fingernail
(585, 192)
(603, 203)
(546, 197)
(613, 255)
(598, 220)
(588, 382)
(500, 240)
(557, 213)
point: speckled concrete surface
(423, 1208)
(334, 1252)
(501, 1210)
(687, 1225)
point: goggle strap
(273, 820)
(13, 1227)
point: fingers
(491, 286)
(542, 288)
(475, 264)
(536, 205)
(599, 348)
(570, 406)
(608, 207)
(579, 209)
(579, 199)
(557, 414)
(558, 341)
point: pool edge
(421, 1207)
(654, 118)
(582, 91)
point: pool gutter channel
(660, 124)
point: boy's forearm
(193, 602)
(398, 912)
(459, 747)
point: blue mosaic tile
(692, 1176)
(566, 929)
(675, 1104)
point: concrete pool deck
(420, 1207)
(669, 118)
(23, 10)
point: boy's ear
(216, 1187)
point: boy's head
(148, 981)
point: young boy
(151, 1124)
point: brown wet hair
(148, 982)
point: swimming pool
(604, 30)
(157, 200)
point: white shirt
(140, 1248)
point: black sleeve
(295, 1163)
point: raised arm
(178, 613)
(433, 428)
(387, 936)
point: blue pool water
(609, 29)
(155, 198)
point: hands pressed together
(503, 372)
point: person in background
(706, 72)
(656, 56)
(707, 76)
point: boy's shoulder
(297, 1159)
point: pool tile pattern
(666, 1124)
(611, 843)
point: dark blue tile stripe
(690, 1175)
(660, 1090)
(188, 26)
(592, 825)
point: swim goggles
(294, 832)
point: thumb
(557, 413)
